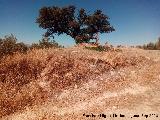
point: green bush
(9, 45)
(99, 48)
(45, 43)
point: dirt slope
(130, 90)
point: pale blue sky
(135, 21)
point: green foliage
(81, 26)
(9, 45)
(21, 47)
(45, 43)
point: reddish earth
(131, 90)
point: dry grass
(30, 79)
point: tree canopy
(79, 25)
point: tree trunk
(97, 38)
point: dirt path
(128, 91)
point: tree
(81, 26)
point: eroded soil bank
(129, 90)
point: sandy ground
(127, 91)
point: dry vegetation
(151, 45)
(30, 79)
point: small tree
(21, 47)
(9, 45)
(151, 46)
(158, 44)
(81, 26)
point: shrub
(45, 43)
(9, 45)
(99, 48)
(21, 47)
(151, 46)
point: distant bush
(9, 45)
(45, 43)
(119, 46)
(99, 48)
(151, 46)
(158, 44)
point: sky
(136, 21)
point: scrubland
(65, 83)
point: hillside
(70, 83)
